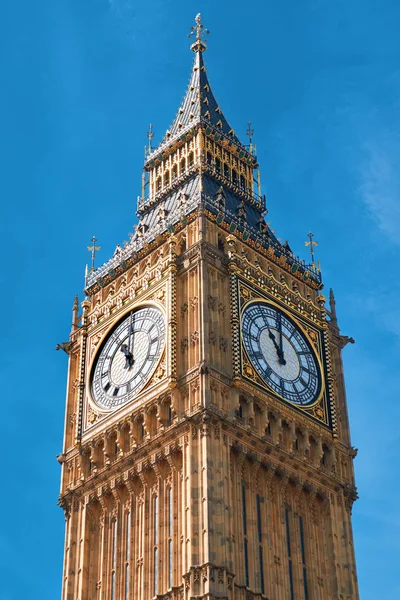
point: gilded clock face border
(133, 307)
(320, 409)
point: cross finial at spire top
(199, 45)
(93, 249)
(311, 243)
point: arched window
(209, 158)
(234, 177)
(226, 171)
(174, 172)
(158, 184)
(183, 165)
(242, 182)
(191, 159)
(166, 178)
(218, 165)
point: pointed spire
(332, 307)
(199, 103)
(75, 310)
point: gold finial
(250, 133)
(150, 135)
(199, 45)
(311, 243)
(93, 249)
(259, 183)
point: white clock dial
(280, 353)
(128, 357)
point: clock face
(281, 354)
(128, 357)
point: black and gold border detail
(245, 294)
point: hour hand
(279, 351)
(129, 360)
(272, 337)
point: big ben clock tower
(206, 452)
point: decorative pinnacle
(332, 306)
(150, 135)
(93, 249)
(311, 243)
(199, 45)
(250, 132)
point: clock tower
(206, 452)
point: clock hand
(282, 355)
(130, 333)
(128, 356)
(279, 351)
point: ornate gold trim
(321, 408)
(134, 306)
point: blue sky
(81, 81)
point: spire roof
(199, 103)
(224, 188)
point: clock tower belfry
(206, 451)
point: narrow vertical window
(126, 582)
(114, 545)
(246, 555)
(155, 571)
(127, 554)
(303, 558)
(170, 517)
(113, 585)
(114, 558)
(155, 556)
(128, 536)
(260, 541)
(289, 551)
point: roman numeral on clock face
(119, 374)
(280, 353)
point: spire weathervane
(200, 32)
(311, 243)
(93, 249)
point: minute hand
(282, 355)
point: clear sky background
(81, 81)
